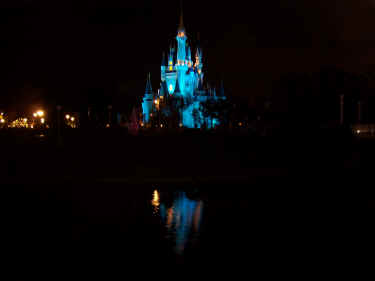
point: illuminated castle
(182, 88)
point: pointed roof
(163, 60)
(148, 85)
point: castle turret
(188, 59)
(163, 67)
(199, 64)
(181, 40)
(171, 59)
(147, 103)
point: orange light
(156, 200)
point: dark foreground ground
(281, 206)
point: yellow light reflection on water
(155, 201)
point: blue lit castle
(183, 93)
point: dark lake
(95, 209)
(109, 230)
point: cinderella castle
(183, 92)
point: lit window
(171, 68)
(170, 88)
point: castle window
(171, 68)
(170, 88)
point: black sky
(64, 48)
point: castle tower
(171, 59)
(181, 41)
(163, 68)
(188, 59)
(148, 100)
(182, 66)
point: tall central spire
(181, 27)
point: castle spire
(163, 60)
(181, 27)
(148, 85)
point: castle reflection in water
(180, 216)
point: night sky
(68, 48)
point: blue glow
(187, 71)
(181, 220)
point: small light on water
(155, 199)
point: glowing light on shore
(67, 116)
